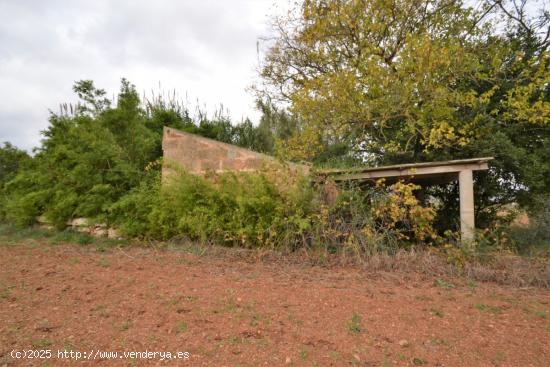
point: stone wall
(83, 225)
(199, 155)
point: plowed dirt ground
(238, 313)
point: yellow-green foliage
(401, 207)
(366, 220)
(419, 80)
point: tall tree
(413, 80)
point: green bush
(246, 209)
(131, 212)
(273, 208)
(96, 159)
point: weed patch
(104, 262)
(41, 343)
(354, 324)
(489, 309)
(181, 327)
(443, 284)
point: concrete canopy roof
(428, 173)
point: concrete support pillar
(467, 221)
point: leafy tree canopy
(416, 80)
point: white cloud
(203, 49)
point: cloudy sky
(204, 49)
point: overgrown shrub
(275, 207)
(367, 220)
(131, 212)
(246, 209)
(11, 161)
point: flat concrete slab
(425, 173)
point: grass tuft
(181, 327)
(354, 324)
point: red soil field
(241, 313)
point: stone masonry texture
(199, 155)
